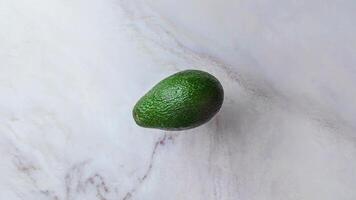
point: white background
(71, 71)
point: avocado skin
(181, 101)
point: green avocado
(181, 101)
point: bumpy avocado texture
(181, 101)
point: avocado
(181, 101)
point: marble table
(71, 71)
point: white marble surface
(70, 72)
